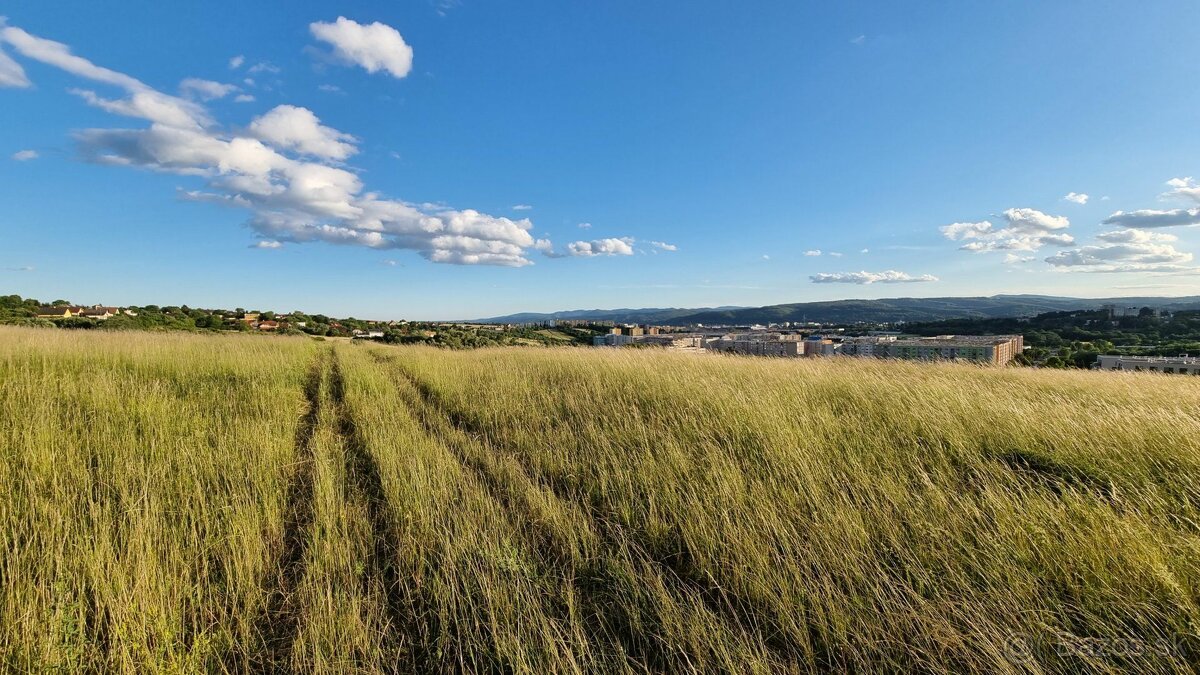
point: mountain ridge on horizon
(907, 309)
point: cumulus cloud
(291, 128)
(664, 246)
(374, 46)
(1154, 218)
(1076, 197)
(601, 247)
(268, 243)
(283, 169)
(1186, 188)
(885, 277)
(1128, 250)
(1024, 230)
(812, 253)
(25, 155)
(205, 90)
(236, 62)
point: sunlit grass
(567, 510)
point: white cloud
(885, 277)
(236, 62)
(268, 243)
(375, 46)
(664, 246)
(143, 102)
(766, 257)
(1186, 188)
(151, 106)
(1025, 230)
(859, 41)
(835, 254)
(521, 207)
(1014, 259)
(284, 170)
(59, 55)
(25, 268)
(330, 88)
(599, 247)
(264, 67)
(957, 231)
(865, 251)
(1134, 236)
(584, 226)
(205, 90)
(291, 128)
(1153, 218)
(1128, 250)
(243, 98)
(1076, 197)
(25, 155)
(812, 253)
(11, 72)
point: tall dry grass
(143, 485)
(200, 504)
(868, 515)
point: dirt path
(280, 620)
(406, 611)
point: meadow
(234, 503)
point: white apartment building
(1181, 365)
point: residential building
(992, 349)
(1179, 365)
(57, 312)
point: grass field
(180, 503)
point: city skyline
(453, 160)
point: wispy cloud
(864, 278)
(25, 155)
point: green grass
(178, 503)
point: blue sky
(370, 159)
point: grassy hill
(190, 503)
(886, 310)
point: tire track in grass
(676, 568)
(408, 613)
(279, 621)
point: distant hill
(854, 311)
(657, 315)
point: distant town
(1112, 337)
